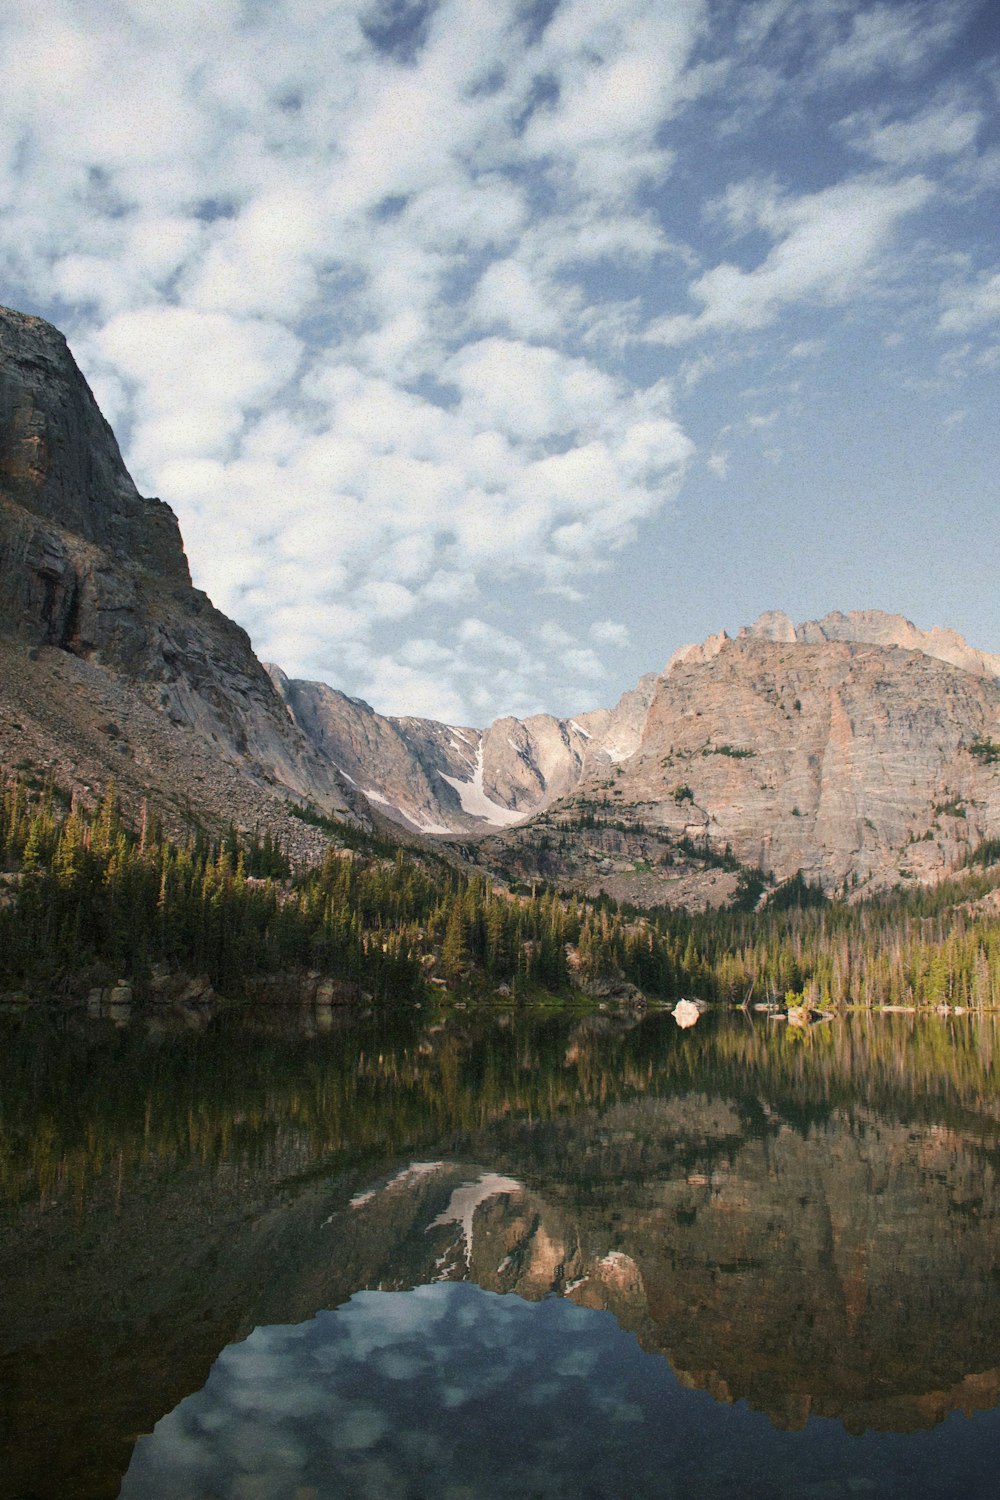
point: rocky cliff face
(90, 569)
(856, 749)
(454, 779)
(852, 748)
(842, 759)
(78, 540)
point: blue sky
(490, 351)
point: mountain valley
(857, 750)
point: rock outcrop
(846, 760)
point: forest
(85, 898)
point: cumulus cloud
(384, 299)
(827, 244)
(610, 633)
(947, 128)
(891, 38)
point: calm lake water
(495, 1254)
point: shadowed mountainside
(113, 663)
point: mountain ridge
(428, 780)
(857, 750)
(96, 593)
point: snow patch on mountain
(476, 803)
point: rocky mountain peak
(60, 461)
(872, 627)
(875, 628)
(772, 625)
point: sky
(490, 350)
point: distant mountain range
(856, 749)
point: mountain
(855, 749)
(858, 749)
(112, 663)
(452, 779)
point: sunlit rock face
(840, 759)
(455, 779)
(839, 747)
(855, 749)
(96, 576)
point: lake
(444, 1256)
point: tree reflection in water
(801, 1225)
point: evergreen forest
(86, 897)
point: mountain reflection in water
(800, 1226)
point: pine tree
(454, 949)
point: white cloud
(945, 129)
(419, 688)
(618, 71)
(584, 663)
(828, 246)
(379, 327)
(527, 391)
(971, 305)
(387, 601)
(894, 38)
(554, 635)
(807, 348)
(610, 633)
(527, 305)
(195, 375)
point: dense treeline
(90, 893)
(95, 894)
(86, 894)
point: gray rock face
(454, 779)
(398, 764)
(60, 462)
(89, 567)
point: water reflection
(795, 1223)
(451, 1391)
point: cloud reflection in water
(448, 1390)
